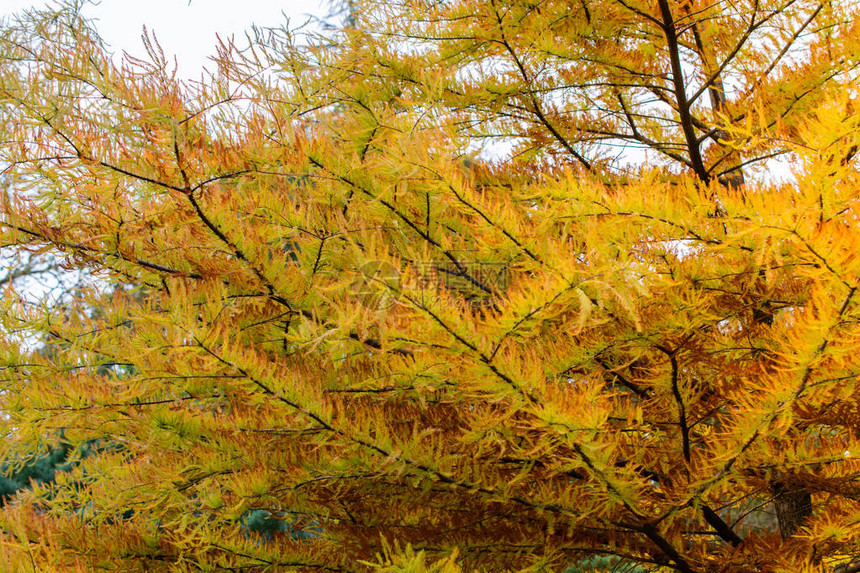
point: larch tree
(489, 285)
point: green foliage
(25, 470)
(268, 525)
(605, 564)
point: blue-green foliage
(267, 525)
(20, 473)
(605, 564)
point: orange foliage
(418, 291)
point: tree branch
(683, 105)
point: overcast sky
(186, 29)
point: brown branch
(679, 400)
(853, 567)
(683, 106)
(723, 529)
(536, 108)
(668, 550)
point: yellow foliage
(516, 285)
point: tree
(423, 352)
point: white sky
(187, 30)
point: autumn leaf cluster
(482, 284)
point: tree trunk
(793, 505)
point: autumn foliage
(490, 285)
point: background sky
(188, 30)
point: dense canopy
(496, 285)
